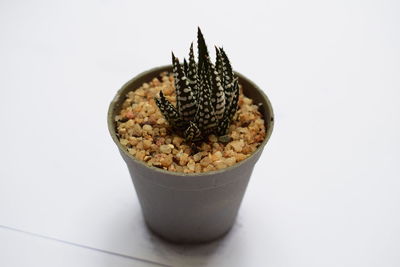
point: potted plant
(190, 135)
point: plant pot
(190, 208)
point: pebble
(147, 128)
(165, 149)
(237, 145)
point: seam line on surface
(82, 246)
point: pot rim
(111, 127)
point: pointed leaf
(223, 127)
(205, 117)
(227, 73)
(185, 102)
(192, 72)
(218, 63)
(202, 49)
(217, 92)
(192, 133)
(185, 67)
(233, 105)
(230, 110)
(169, 111)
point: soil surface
(143, 130)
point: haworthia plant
(206, 94)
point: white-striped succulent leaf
(170, 113)
(230, 110)
(185, 67)
(192, 132)
(185, 101)
(217, 92)
(202, 50)
(192, 72)
(205, 116)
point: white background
(325, 192)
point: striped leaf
(185, 101)
(192, 133)
(217, 92)
(185, 67)
(205, 116)
(227, 73)
(202, 50)
(218, 64)
(192, 72)
(170, 113)
(230, 110)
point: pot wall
(190, 208)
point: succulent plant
(206, 94)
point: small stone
(136, 108)
(177, 141)
(137, 130)
(172, 168)
(161, 121)
(230, 161)
(123, 142)
(140, 92)
(163, 132)
(237, 145)
(160, 141)
(235, 135)
(240, 157)
(166, 160)
(183, 158)
(209, 168)
(165, 149)
(147, 128)
(216, 156)
(168, 91)
(133, 141)
(155, 82)
(205, 161)
(129, 115)
(191, 165)
(205, 147)
(197, 168)
(245, 150)
(212, 138)
(187, 150)
(153, 147)
(197, 156)
(140, 154)
(220, 165)
(139, 145)
(147, 144)
(179, 168)
(132, 151)
(247, 101)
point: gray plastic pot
(190, 208)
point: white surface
(325, 191)
(23, 249)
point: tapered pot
(190, 208)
